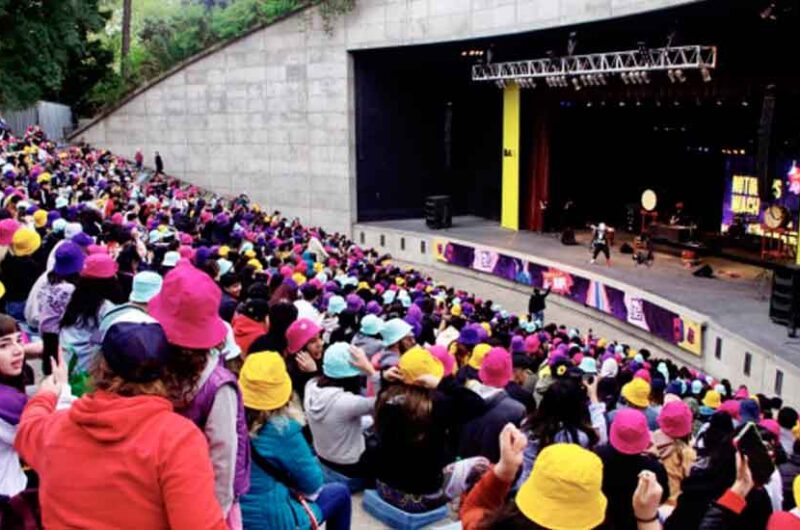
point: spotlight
(576, 83)
(671, 75)
(705, 74)
(603, 79)
(679, 76)
(645, 78)
(624, 78)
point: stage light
(671, 75)
(705, 74)
(719, 103)
(621, 103)
(679, 76)
(624, 78)
(645, 78)
(603, 79)
(576, 83)
(638, 103)
(745, 103)
(677, 103)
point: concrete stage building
(287, 114)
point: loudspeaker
(764, 143)
(568, 237)
(438, 212)
(704, 272)
(783, 304)
(626, 248)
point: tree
(46, 43)
(126, 37)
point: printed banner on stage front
(633, 309)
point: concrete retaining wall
(271, 114)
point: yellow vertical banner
(509, 211)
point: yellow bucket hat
(712, 399)
(40, 218)
(637, 392)
(796, 489)
(299, 278)
(564, 490)
(255, 263)
(264, 381)
(478, 353)
(25, 241)
(417, 362)
(223, 251)
(487, 327)
(455, 310)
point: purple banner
(634, 310)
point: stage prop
(438, 212)
(627, 307)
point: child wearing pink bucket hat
(206, 392)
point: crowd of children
(207, 363)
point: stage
(736, 299)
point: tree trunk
(126, 37)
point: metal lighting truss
(595, 66)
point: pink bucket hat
(187, 308)
(731, 408)
(447, 360)
(643, 374)
(772, 426)
(299, 333)
(675, 419)
(101, 266)
(532, 343)
(629, 433)
(496, 369)
(7, 229)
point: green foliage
(166, 36)
(47, 50)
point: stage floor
(737, 298)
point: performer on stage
(600, 244)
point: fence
(54, 118)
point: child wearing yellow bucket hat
(284, 470)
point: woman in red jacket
(119, 457)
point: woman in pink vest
(201, 387)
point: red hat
(675, 419)
(100, 266)
(299, 333)
(497, 368)
(187, 308)
(629, 432)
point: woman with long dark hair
(568, 413)
(96, 293)
(200, 387)
(281, 316)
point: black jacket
(701, 489)
(536, 302)
(788, 471)
(620, 477)
(480, 436)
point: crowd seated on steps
(208, 362)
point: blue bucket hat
(336, 305)
(371, 325)
(389, 296)
(395, 330)
(749, 411)
(336, 362)
(146, 285)
(588, 365)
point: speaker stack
(783, 304)
(438, 212)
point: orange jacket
(113, 462)
(488, 494)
